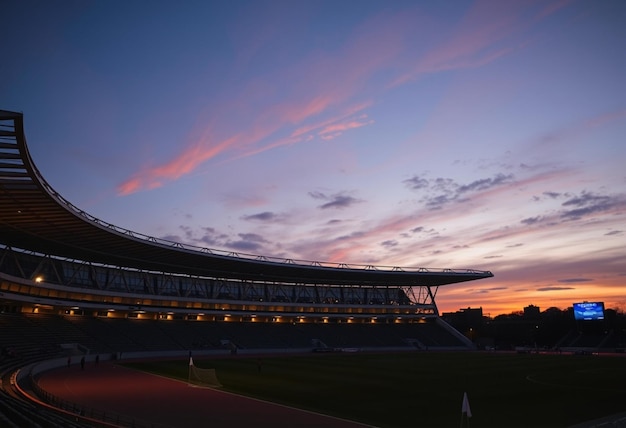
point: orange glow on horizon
(506, 298)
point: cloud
(555, 288)
(552, 195)
(437, 202)
(264, 216)
(531, 220)
(334, 130)
(578, 207)
(303, 134)
(244, 198)
(389, 243)
(485, 290)
(334, 123)
(184, 163)
(210, 238)
(442, 191)
(575, 280)
(585, 199)
(444, 184)
(252, 237)
(355, 234)
(482, 37)
(416, 183)
(251, 242)
(317, 195)
(486, 183)
(588, 203)
(338, 200)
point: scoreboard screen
(589, 311)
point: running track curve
(157, 400)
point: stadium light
(39, 278)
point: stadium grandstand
(67, 277)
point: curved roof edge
(33, 216)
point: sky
(483, 135)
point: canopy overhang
(34, 217)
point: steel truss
(47, 271)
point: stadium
(103, 289)
(87, 281)
(74, 288)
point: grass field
(426, 389)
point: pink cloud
(202, 149)
(184, 163)
(323, 85)
(255, 140)
(131, 185)
(338, 128)
(295, 113)
(319, 87)
(330, 121)
(328, 137)
(482, 38)
(257, 134)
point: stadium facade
(56, 258)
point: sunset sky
(472, 134)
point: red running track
(152, 399)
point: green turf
(426, 389)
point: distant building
(467, 317)
(531, 312)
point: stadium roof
(34, 217)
